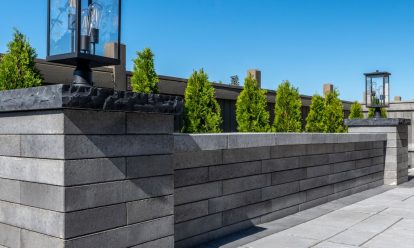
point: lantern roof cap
(377, 74)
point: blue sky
(309, 42)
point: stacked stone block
(397, 157)
(227, 183)
(78, 178)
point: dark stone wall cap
(373, 122)
(61, 96)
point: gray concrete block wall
(236, 181)
(76, 178)
(396, 153)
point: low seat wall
(228, 182)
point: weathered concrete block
(319, 149)
(287, 151)
(149, 209)
(314, 182)
(280, 190)
(245, 213)
(36, 240)
(149, 166)
(10, 145)
(317, 171)
(201, 225)
(197, 159)
(288, 201)
(314, 160)
(32, 170)
(344, 166)
(198, 142)
(197, 192)
(94, 146)
(246, 183)
(148, 188)
(245, 155)
(140, 123)
(32, 123)
(94, 220)
(221, 172)
(43, 196)
(339, 157)
(344, 147)
(9, 191)
(86, 171)
(280, 164)
(91, 122)
(243, 140)
(35, 219)
(319, 192)
(279, 214)
(190, 211)
(233, 201)
(288, 176)
(150, 231)
(92, 196)
(190, 176)
(9, 236)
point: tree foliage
(334, 113)
(356, 111)
(315, 122)
(288, 114)
(202, 112)
(371, 113)
(144, 78)
(17, 66)
(251, 108)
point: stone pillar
(73, 175)
(396, 154)
(257, 75)
(327, 88)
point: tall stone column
(396, 154)
(85, 168)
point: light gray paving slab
(282, 241)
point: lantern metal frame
(381, 101)
(83, 62)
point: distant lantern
(377, 88)
(79, 33)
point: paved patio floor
(378, 218)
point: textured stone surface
(83, 97)
(377, 122)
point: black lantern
(84, 33)
(377, 88)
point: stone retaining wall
(86, 179)
(228, 182)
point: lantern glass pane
(62, 27)
(387, 91)
(99, 27)
(368, 91)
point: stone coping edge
(380, 122)
(200, 142)
(60, 96)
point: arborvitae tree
(334, 113)
(371, 113)
(356, 111)
(251, 108)
(315, 122)
(144, 78)
(288, 114)
(17, 66)
(202, 112)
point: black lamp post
(79, 33)
(377, 88)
